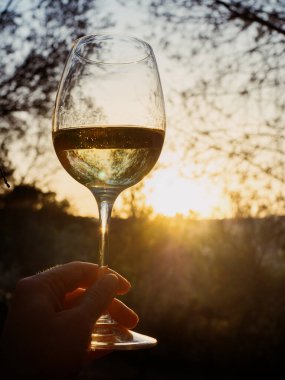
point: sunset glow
(167, 192)
(170, 194)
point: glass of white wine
(108, 132)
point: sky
(209, 132)
(165, 189)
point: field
(212, 292)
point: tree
(32, 198)
(133, 203)
(36, 38)
(231, 54)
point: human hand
(48, 328)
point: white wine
(105, 157)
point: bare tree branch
(245, 14)
(4, 178)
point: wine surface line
(108, 157)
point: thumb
(98, 297)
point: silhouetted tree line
(213, 292)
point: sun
(166, 191)
(169, 194)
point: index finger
(68, 277)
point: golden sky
(174, 187)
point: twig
(245, 14)
(5, 179)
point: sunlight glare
(170, 194)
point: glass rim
(79, 40)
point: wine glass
(108, 132)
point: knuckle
(95, 296)
(25, 285)
(75, 263)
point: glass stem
(105, 201)
(105, 210)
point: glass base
(111, 336)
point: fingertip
(123, 288)
(98, 297)
(109, 282)
(122, 314)
(124, 284)
(133, 320)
